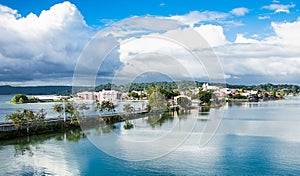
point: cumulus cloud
(162, 54)
(41, 46)
(45, 47)
(273, 59)
(241, 39)
(213, 34)
(279, 8)
(287, 33)
(241, 11)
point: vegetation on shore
(29, 122)
(205, 97)
(287, 88)
(21, 98)
(27, 117)
(107, 106)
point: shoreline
(8, 129)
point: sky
(41, 42)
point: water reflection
(72, 135)
(106, 129)
(40, 155)
(128, 125)
(157, 133)
(26, 145)
(22, 149)
(158, 119)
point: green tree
(17, 118)
(70, 110)
(39, 118)
(59, 109)
(184, 102)
(27, 117)
(19, 98)
(142, 96)
(266, 95)
(157, 102)
(128, 108)
(106, 105)
(133, 95)
(239, 96)
(204, 97)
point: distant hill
(67, 90)
(33, 90)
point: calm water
(253, 139)
(8, 108)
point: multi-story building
(109, 95)
(104, 95)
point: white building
(88, 96)
(49, 97)
(226, 91)
(253, 92)
(104, 95)
(109, 95)
(206, 87)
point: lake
(253, 139)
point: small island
(22, 98)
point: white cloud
(255, 36)
(158, 53)
(241, 39)
(196, 17)
(287, 33)
(264, 17)
(41, 46)
(8, 12)
(46, 46)
(275, 58)
(247, 60)
(241, 11)
(162, 4)
(279, 8)
(213, 34)
(276, 1)
(231, 23)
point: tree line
(184, 85)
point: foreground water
(253, 139)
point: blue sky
(240, 24)
(98, 13)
